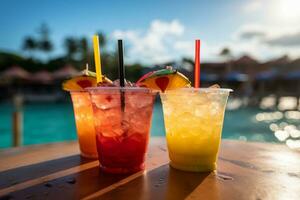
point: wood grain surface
(56, 171)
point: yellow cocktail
(193, 121)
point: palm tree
(29, 44)
(102, 40)
(45, 44)
(84, 49)
(71, 47)
(226, 53)
(44, 31)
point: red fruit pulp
(162, 83)
(84, 83)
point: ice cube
(115, 129)
(106, 101)
(167, 109)
(215, 108)
(201, 98)
(138, 127)
(106, 131)
(200, 111)
(112, 117)
(99, 116)
(127, 83)
(119, 130)
(139, 122)
(138, 99)
(110, 130)
(215, 86)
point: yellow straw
(97, 57)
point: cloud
(269, 35)
(209, 52)
(162, 42)
(186, 47)
(265, 41)
(156, 45)
(252, 34)
(286, 40)
(252, 6)
(249, 32)
(274, 29)
(165, 41)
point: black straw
(121, 63)
(121, 74)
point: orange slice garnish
(164, 79)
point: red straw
(197, 64)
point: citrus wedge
(81, 82)
(164, 79)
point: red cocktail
(122, 118)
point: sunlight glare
(281, 135)
(286, 10)
(293, 144)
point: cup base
(90, 156)
(121, 170)
(194, 168)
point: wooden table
(56, 171)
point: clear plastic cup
(84, 120)
(193, 122)
(122, 117)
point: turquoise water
(54, 122)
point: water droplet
(71, 180)
(224, 177)
(48, 184)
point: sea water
(54, 122)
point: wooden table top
(246, 170)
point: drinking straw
(97, 57)
(197, 64)
(121, 63)
(121, 73)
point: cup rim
(78, 90)
(118, 88)
(201, 89)
(144, 89)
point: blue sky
(265, 25)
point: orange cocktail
(84, 123)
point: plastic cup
(122, 117)
(193, 122)
(83, 113)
